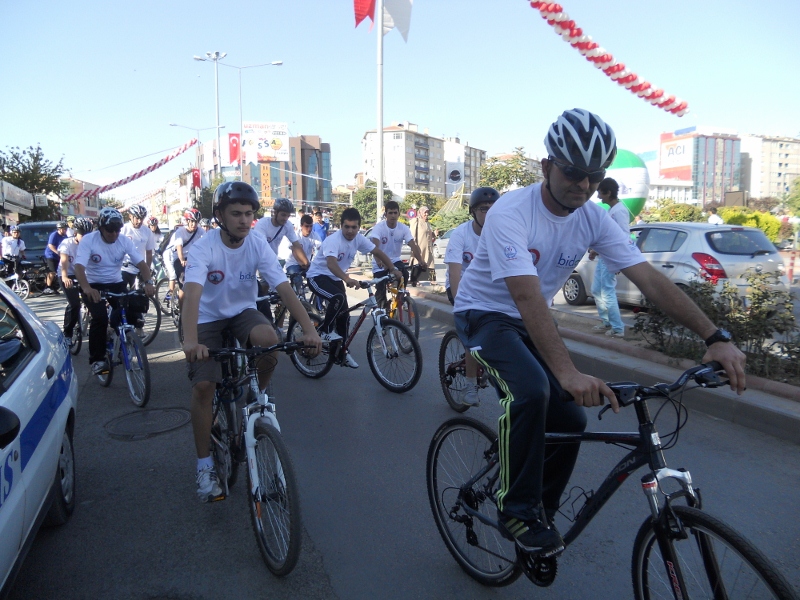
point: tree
(417, 199)
(793, 199)
(502, 174)
(366, 201)
(29, 170)
(763, 204)
(206, 201)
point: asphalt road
(359, 453)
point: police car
(38, 397)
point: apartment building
(769, 165)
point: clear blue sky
(98, 82)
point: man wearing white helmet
(275, 228)
(531, 241)
(142, 238)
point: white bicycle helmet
(582, 139)
(109, 215)
(138, 211)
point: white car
(440, 244)
(38, 397)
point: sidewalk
(767, 406)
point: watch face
(724, 334)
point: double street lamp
(215, 57)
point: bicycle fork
(388, 352)
(262, 408)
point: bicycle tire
(459, 449)
(226, 466)
(312, 367)
(163, 296)
(77, 339)
(275, 508)
(745, 571)
(138, 375)
(152, 322)
(396, 369)
(106, 378)
(21, 288)
(452, 371)
(407, 314)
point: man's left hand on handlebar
(195, 352)
(732, 360)
(312, 342)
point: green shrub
(766, 222)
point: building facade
(415, 161)
(770, 164)
(86, 207)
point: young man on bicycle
(177, 252)
(98, 268)
(276, 227)
(327, 275)
(142, 238)
(388, 235)
(310, 243)
(52, 257)
(530, 242)
(460, 252)
(220, 293)
(13, 248)
(68, 250)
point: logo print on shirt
(340, 256)
(535, 253)
(510, 252)
(467, 257)
(95, 258)
(384, 239)
(215, 277)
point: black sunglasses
(113, 228)
(575, 174)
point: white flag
(397, 13)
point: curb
(768, 406)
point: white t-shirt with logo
(310, 243)
(521, 237)
(228, 275)
(102, 261)
(344, 251)
(142, 238)
(275, 233)
(619, 212)
(390, 241)
(182, 237)
(12, 247)
(460, 249)
(69, 247)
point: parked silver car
(440, 244)
(687, 252)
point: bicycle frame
(369, 306)
(123, 329)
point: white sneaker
(99, 367)
(601, 328)
(350, 361)
(615, 334)
(330, 337)
(471, 398)
(208, 489)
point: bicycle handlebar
(221, 354)
(372, 282)
(107, 294)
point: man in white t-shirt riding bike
(532, 239)
(220, 293)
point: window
(15, 345)
(741, 241)
(397, 136)
(660, 240)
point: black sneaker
(534, 536)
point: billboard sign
(16, 196)
(264, 142)
(266, 185)
(454, 167)
(676, 154)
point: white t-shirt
(228, 275)
(275, 233)
(182, 237)
(390, 241)
(102, 261)
(521, 237)
(310, 243)
(142, 238)
(69, 247)
(12, 247)
(619, 212)
(715, 220)
(344, 251)
(460, 249)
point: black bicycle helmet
(283, 205)
(109, 215)
(481, 195)
(84, 225)
(235, 191)
(582, 139)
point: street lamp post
(215, 57)
(274, 63)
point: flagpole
(379, 27)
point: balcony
(421, 144)
(421, 156)
(421, 168)
(421, 180)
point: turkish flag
(196, 178)
(364, 9)
(233, 148)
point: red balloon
(575, 32)
(551, 22)
(536, 3)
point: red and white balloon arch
(602, 59)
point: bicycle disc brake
(541, 570)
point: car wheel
(574, 290)
(63, 488)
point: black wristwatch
(720, 335)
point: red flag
(233, 148)
(364, 9)
(196, 178)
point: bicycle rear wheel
(76, 340)
(105, 378)
(152, 322)
(407, 314)
(713, 561)
(163, 296)
(395, 368)
(275, 506)
(453, 371)
(316, 366)
(226, 466)
(137, 371)
(460, 449)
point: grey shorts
(210, 335)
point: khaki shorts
(210, 335)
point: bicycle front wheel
(394, 356)
(460, 449)
(453, 371)
(21, 288)
(313, 367)
(164, 296)
(137, 370)
(275, 506)
(713, 561)
(152, 322)
(105, 378)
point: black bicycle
(679, 552)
